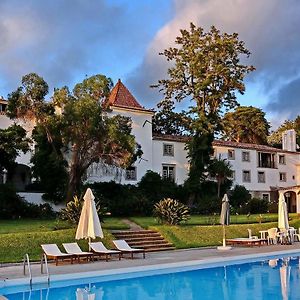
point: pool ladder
(44, 259)
(26, 261)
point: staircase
(150, 240)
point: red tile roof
(171, 138)
(249, 146)
(220, 143)
(121, 97)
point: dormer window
(168, 149)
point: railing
(26, 259)
(44, 259)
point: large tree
(13, 141)
(247, 124)
(78, 118)
(206, 73)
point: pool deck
(14, 273)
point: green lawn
(146, 222)
(200, 236)
(25, 236)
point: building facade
(265, 171)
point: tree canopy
(79, 122)
(247, 124)
(206, 73)
(275, 138)
(13, 140)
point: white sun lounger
(100, 249)
(73, 248)
(53, 252)
(122, 246)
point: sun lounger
(53, 252)
(73, 248)
(100, 249)
(245, 242)
(122, 246)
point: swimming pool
(275, 277)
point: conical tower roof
(121, 97)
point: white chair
(272, 236)
(250, 234)
(122, 246)
(284, 236)
(53, 252)
(297, 235)
(100, 249)
(73, 248)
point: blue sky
(65, 40)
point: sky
(66, 40)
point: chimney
(289, 140)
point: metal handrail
(26, 259)
(44, 259)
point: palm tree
(220, 169)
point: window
(231, 154)
(266, 160)
(130, 173)
(232, 177)
(265, 197)
(261, 177)
(246, 176)
(168, 150)
(282, 159)
(168, 172)
(245, 156)
(282, 177)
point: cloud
(62, 40)
(270, 29)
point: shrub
(171, 211)
(72, 211)
(255, 206)
(239, 197)
(12, 206)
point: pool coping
(138, 271)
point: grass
(25, 236)
(147, 222)
(200, 236)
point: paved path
(156, 258)
(132, 226)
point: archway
(290, 198)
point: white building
(263, 170)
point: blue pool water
(278, 278)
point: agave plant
(72, 211)
(170, 211)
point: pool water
(277, 278)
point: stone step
(146, 242)
(149, 240)
(133, 232)
(128, 235)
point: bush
(72, 211)
(12, 206)
(239, 197)
(255, 206)
(170, 211)
(129, 200)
